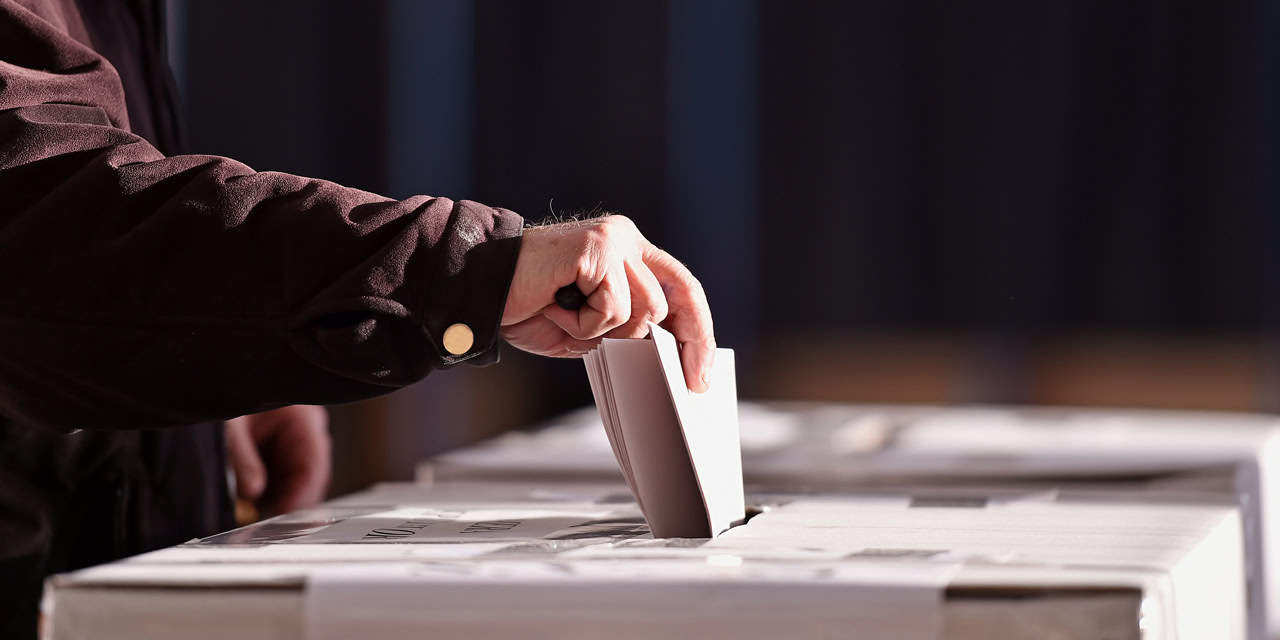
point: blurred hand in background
(281, 459)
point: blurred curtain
(1000, 169)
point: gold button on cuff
(458, 339)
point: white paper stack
(1164, 455)
(677, 450)
(575, 560)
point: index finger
(688, 316)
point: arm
(144, 290)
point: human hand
(281, 457)
(627, 281)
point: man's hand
(627, 281)
(281, 457)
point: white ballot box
(1165, 455)
(563, 560)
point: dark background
(1003, 201)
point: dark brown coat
(139, 289)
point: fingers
(648, 303)
(697, 359)
(246, 464)
(628, 283)
(628, 296)
(542, 336)
(608, 303)
(688, 317)
(300, 458)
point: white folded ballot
(678, 450)
(520, 560)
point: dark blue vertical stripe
(431, 96)
(430, 141)
(1269, 190)
(712, 114)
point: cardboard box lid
(508, 547)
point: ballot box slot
(751, 512)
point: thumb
(250, 473)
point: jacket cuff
(464, 313)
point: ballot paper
(679, 451)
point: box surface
(576, 560)
(1165, 455)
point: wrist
(463, 316)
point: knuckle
(620, 221)
(587, 330)
(585, 260)
(620, 228)
(659, 311)
(655, 309)
(593, 259)
(597, 235)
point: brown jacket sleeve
(144, 290)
